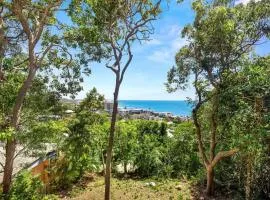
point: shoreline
(176, 108)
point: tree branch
(17, 9)
(45, 52)
(43, 20)
(196, 122)
(214, 128)
(130, 56)
(111, 68)
(222, 155)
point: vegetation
(222, 152)
(216, 57)
(120, 23)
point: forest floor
(129, 189)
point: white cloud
(166, 53)
(178, 43)
(153, 42)
(244, 1)
(160, 56)
(171, 31)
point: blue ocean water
(179, 108)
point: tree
(245, 117)
(83, 147)
(219, 39)
(120, 23)
(36, 22)
(183, 150)
(93, 101)
(126, 143)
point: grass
(129, 189)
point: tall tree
(120, 24)
(43, 49)
(220, 38)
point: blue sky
(147, 73)
(145, 78)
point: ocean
(179, 108)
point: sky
(146, 75)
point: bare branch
(22, 150)
(45, 52)
(111, 68)
(222, 155)
(130, 56)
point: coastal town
(133, 113)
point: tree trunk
(103, 161)
(10, 151)
(125, 168)
(248, 178)
(111, 141)
(210, 181)
(11, 144)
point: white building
(108, 106)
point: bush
(82, 149)
(149, 156)
(26, 187)
(183, 151)
(147, 146)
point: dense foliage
(231, 84)
(26, 187)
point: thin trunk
(214, 125)
(111, 141)
(125, 168)
(210, 169)
(11, 144)
(8, 169)
(103, 161)
(248, 178)
(210, 181)
(199, 137)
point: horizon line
(152, 99)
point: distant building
(165, 114)
(69, 111)
(48, 117)
(108, 106)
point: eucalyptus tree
(219, 39)
(42, 48)
(120, 24)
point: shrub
(26, 187)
